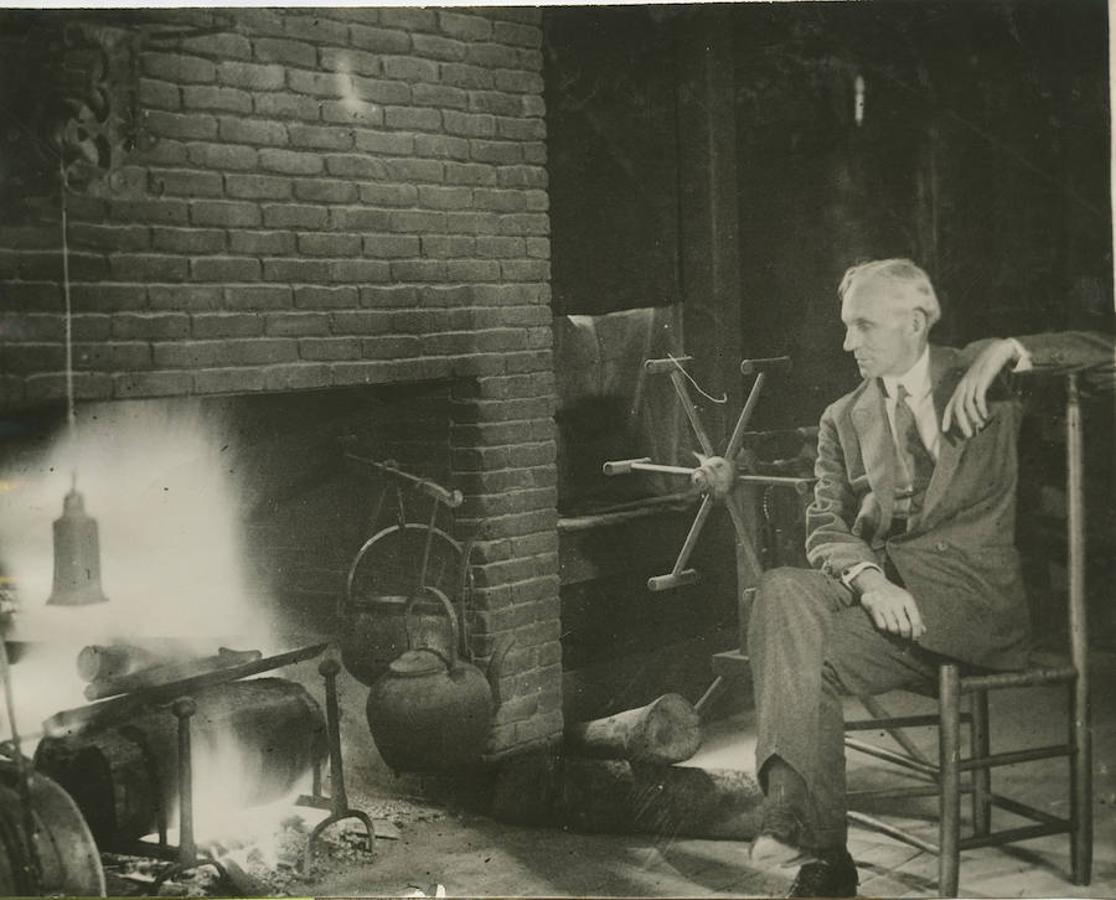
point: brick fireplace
(305, 204)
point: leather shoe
(831, 874)
(780, 838)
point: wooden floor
(1037, 868)
(473, 856)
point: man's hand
(891, 607)
(969, 405)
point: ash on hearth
(266, 863)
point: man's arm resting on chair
(968, 406)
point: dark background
(983, 155)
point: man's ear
(921, 324)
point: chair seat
(1031, 676)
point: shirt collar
(916, 379)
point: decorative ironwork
(99, 127)
(68, 105)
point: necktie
(914, 459)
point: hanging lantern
(77, 556)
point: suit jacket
(957, 557)
(1070, 349)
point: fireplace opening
(230, 525)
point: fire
(227, 824)
(170, 515)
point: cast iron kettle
(431, 710)
(374, 630)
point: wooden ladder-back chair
(944, 779)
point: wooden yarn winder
(747, 558)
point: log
(667, 730)
(622, 797)
(527, 790)
(100, 661)
(71, 721)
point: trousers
(809, 643)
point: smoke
(157, 480)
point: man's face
(885, 337)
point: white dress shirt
(920, 399)
(1023, 363)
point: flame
(223, 820)
(169, 512)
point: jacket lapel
(943, 379)
(869, 417)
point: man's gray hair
(910, 284)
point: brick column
(504, 459)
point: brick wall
(326, 198)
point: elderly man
(911, 533)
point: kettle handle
(375, 544)
(454, 636)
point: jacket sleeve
(831, 544)
(1070, 349)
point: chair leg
(1081, 801)
(949, 757)
(982, 778)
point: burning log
(667, 730)
(160, 675)
(123, 774)
(116, 709)
(100, 661)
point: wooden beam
(708, 207)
